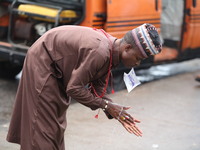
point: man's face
(131, 57)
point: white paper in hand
(131, 80)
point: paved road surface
(169, 109)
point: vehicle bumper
(13, 56)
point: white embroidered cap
(147, 39)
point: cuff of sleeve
(104, 110)
(108, 115)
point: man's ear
(128, 47)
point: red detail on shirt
(109, 69)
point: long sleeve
(84, 74)
(99, 87)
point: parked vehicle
(23, 21)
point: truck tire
(9, 70)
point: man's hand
(131, 128)
(119, 112)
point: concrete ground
(169, 110)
